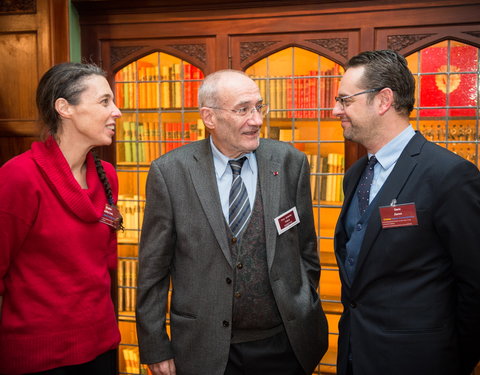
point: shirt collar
(220, 161)
(389, 154)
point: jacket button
(228, 280)
(239, 266)
(237, 295)
(226, 323)
(234, 240)
(353, 305)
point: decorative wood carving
(18, 6)
(119, 53)
(198, 51)
(473, 33)
(399, 42)
(337, 45)
(248, 49)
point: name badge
(111, 216)
(402, 215)
(287, 220)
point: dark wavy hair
(387, 68)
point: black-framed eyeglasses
(342, 99)
(262, 109)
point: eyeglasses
(262, 109)
(344, 99)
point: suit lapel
(355, 173)
(270, 190)
(390, 190)
(202, 172)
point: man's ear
(385, 97)
(208, 117)
(63, 108)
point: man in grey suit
(229, 223)
(406, 241)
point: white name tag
(287, 220)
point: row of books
(132, 363)
(127, 281)
(466, 151)
(175, 82)
(132, 209)
(438, 132)
(298, 96)
(146, 141)
(326, 177)
(326, 183)
(301, 96)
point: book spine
(127, 143)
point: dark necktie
(239, 204)
(365, 183)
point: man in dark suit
(406, 242)
(229, 222)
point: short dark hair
(65, 80)
(387, 68)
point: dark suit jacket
(184, 239)
(413, 306)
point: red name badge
(111, 216)
(402, 215)
(287, 220)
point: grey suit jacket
(413, 306)
(184, 241)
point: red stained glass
(453, 83)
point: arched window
(157, 95)
(300, 86)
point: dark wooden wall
(33, 37)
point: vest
(356, 226)
(255, 313)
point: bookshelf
(157, 95)
(299, 85)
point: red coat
(55, 258)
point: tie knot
(372, 161)
(236, 165)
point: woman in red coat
(58, 226)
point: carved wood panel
(248, 49)
(18, 6)
(399, 42)
(336, 45)
(415, 38)
(119, 53)
(197, 51)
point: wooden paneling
(30, 43)
(18, 61)
(11, 146)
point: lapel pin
(275, 173)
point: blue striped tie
(239, 204)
